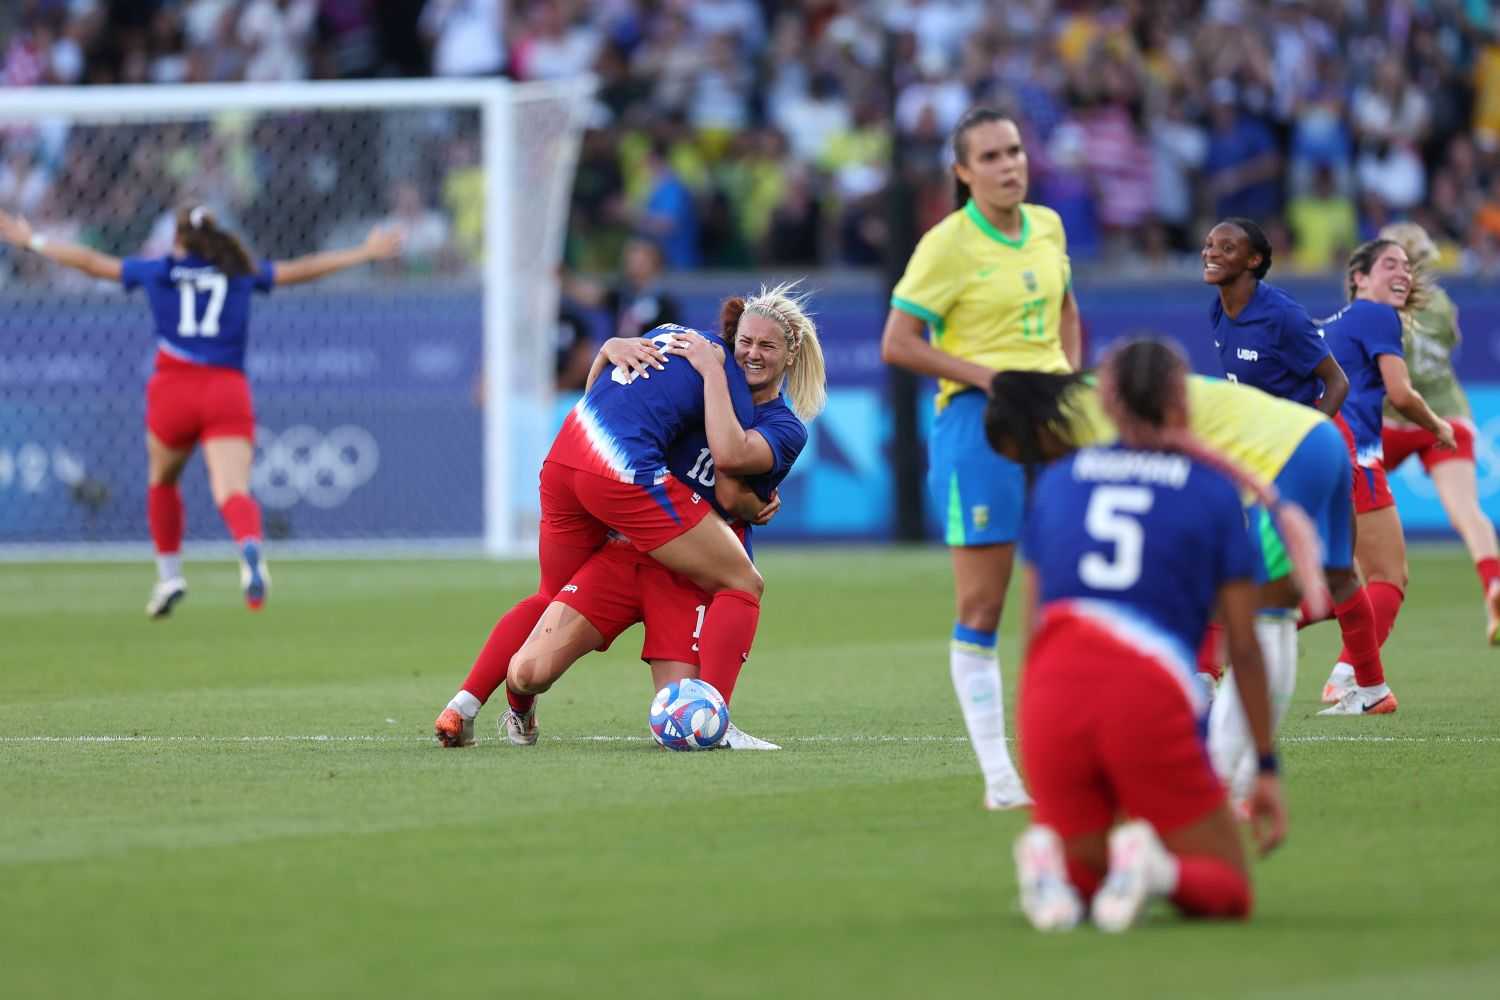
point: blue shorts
(1315, 478)
(980, 496)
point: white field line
(328, 738)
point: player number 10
(188, 324)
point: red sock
(728, 632)
(1361, 639)
(1489, 571)
(1306, 618)
(1084, 878)
(1209, 659)
(1386, 598)
(242, 517)
(164, 515)
(519, 703)
(505, 641)
(1208, 887)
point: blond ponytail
(807, 375)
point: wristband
(1267, 764)
(37, 243)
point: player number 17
(188, 323)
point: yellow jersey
(1256, 430)
(987, 298)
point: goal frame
(497, 100)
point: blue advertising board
(371, 419)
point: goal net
(399, 403)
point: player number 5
(1109, 519)
(188, 324)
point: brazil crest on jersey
(624, 426)
(202, 315)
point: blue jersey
(1359, 334)
(1151, 536)
(202, 315)
(691, 461)
(1272, 344)
(628, 424)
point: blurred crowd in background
(740, 133)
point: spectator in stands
(278, 34)
(1324, 227)
(467, 36)
(551, 48)
(1243, 164)
(670, 215)
(636, 302)
(425, 245)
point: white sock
(1370, 695)
(1342, 674)
(168, 566)
(976, 681)
(465, 704)
(1277, 634)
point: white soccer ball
(689, 715)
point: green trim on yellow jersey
(988, 228)
(927, 316)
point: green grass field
(274, 821)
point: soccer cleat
(1340, 681)
(736, 738)
(520, 729)
(1492, 613)
(165, 595)
(1047, 897)
(1138, 867)
(452, 730)
(255, 578)
(1007, 793)
(1352, 704)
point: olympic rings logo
(302, 464)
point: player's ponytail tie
(196, 216)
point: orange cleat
(1352, 704)
(452, 730)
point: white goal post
(427, 382)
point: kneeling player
(1112, 717)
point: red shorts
(1401, 443)
(187, 403)
(1372, 490)
(619, 586)
(579, 508)
(1107, 730)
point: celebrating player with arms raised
(993, 283)
(1428, 340)
(199, 296)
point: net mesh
(367, 385)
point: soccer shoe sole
(452, 730)
(1048, 900)
(1126, 890)
(173, 599)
